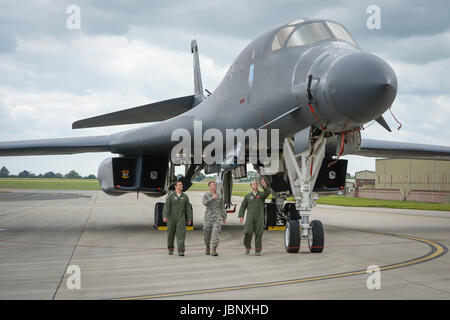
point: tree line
(251, 175)
(4, 173)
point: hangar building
(415, 175)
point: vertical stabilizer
(198, 85)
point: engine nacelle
(145, 174)
(105, 178)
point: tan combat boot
(214, 252)
(207, 251)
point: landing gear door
(332, 175)
(154, 171)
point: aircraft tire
(158, 222)
(292, 236)
(316, 244)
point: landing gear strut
(302, 170)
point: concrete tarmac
(121, 255)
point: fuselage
(270, 77)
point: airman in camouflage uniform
(254, 223)
(214, 215)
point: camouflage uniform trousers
(211, 230)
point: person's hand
(165, 219)
(241, 220)
(189, 223)
(215, 196)
(264, 183)
(224, 221)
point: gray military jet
(307, 78)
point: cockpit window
(317, 31)
(340, 33)
(281, 37)
(309, 33)
(298, 21)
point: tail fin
(198, 85)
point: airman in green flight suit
(177, 210)
(254, 223)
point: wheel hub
(310, 237)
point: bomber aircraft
(307, 78)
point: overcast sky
(129, 53)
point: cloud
(129, 53)
(424, 79)
(86, 63)
(58, 82)
(423, 120)
(416, 49)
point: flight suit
(214, 215)
(177, 209)
(254, 223)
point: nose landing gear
(303, 170)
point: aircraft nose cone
(361, 86)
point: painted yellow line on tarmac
(436, 251)
(164, 228)
(276, 228)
